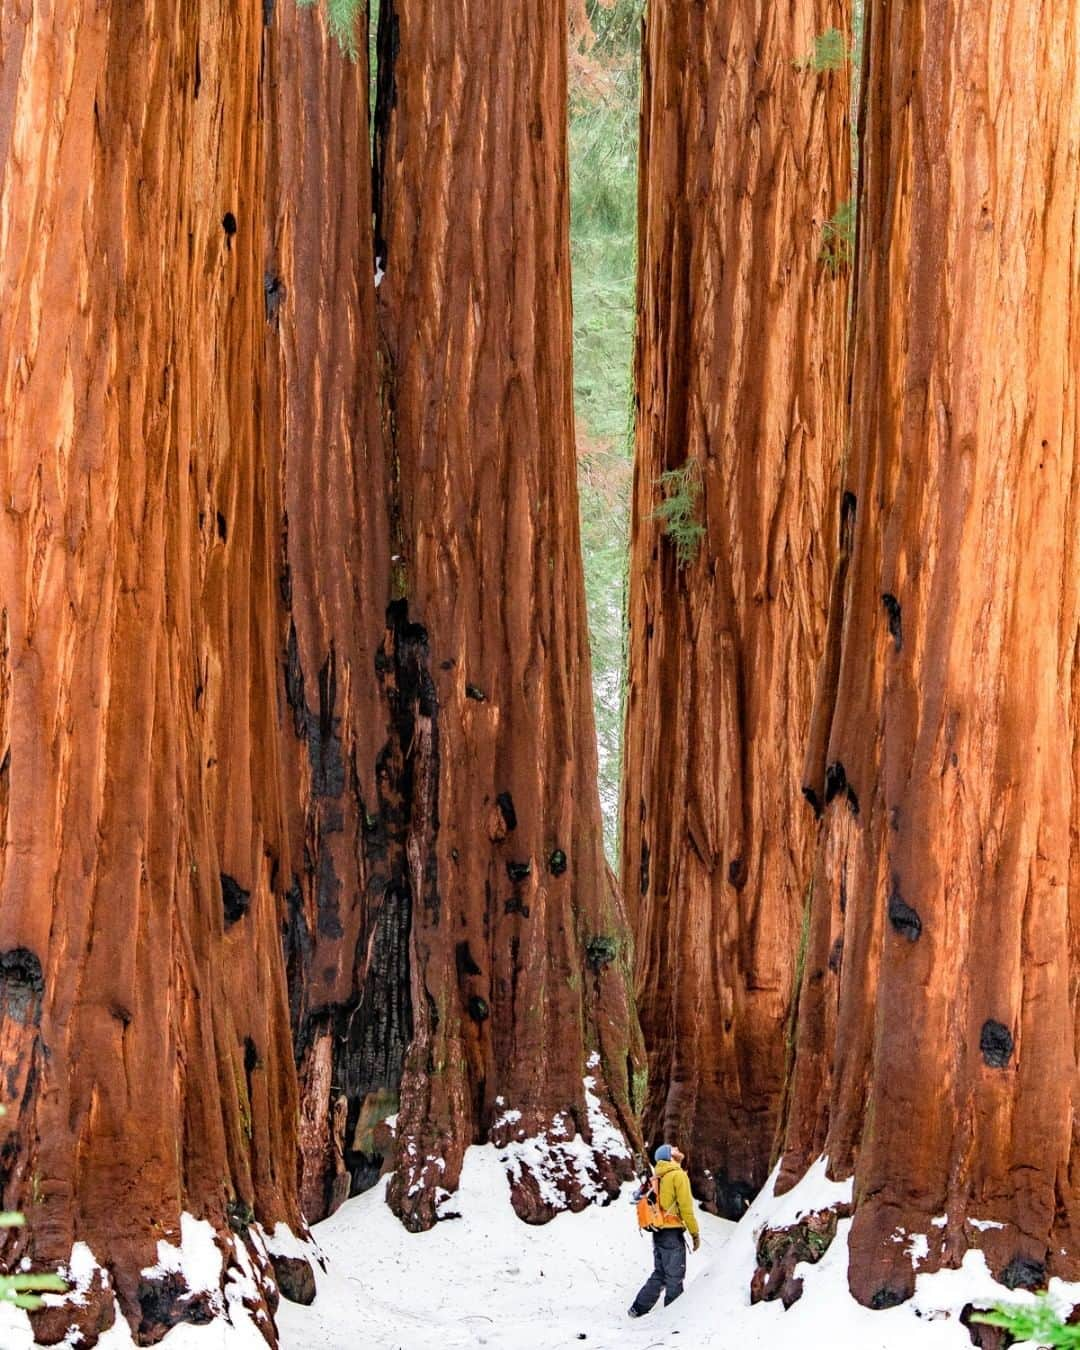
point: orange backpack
(651, 1215)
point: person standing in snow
(669, 1239)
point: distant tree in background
(604, 95)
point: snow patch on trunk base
(556, 1168)
(205, 1291)
(812, 1290)
(293, 1260)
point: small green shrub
(838, 238)
(830, 52)
(677, 512)
(24, 1290)
(1039, 1322)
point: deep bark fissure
(387, 45)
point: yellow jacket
(675, 1199)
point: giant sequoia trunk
(744, 156)
(343, 873)
(143, 1019)
(520, 967)
(936, 1048)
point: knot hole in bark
(903, 918)
(892, 614)
(22, 985)
(235, 900)
(996, 1044)
(601, 951)
(836, 782)
(847, 521)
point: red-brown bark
(744, 157)
(520, 963)
(936, 1047)
(143, 1015)
(343, 873)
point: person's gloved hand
(696, 1239)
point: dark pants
(669, 1269)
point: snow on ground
(487, 1279)
(483, 1279)
(242, 1334)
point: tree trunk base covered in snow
(519, 948)
(143, 1019)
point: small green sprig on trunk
(830, 52)
(838, 238)
(677, 512)
(341, 17)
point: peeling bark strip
(739, 374)
(475, 310)
(942, 1069)
(140, 793)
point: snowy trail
(488, 1279)
(484, 1279)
